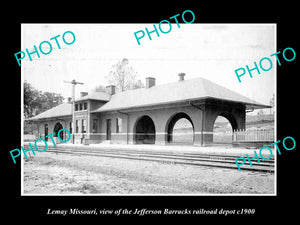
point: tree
(99, 88)
(123, 76)
(36, 101)
(31, 103)
(260, 115)
(138, 84)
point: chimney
(82, 94)
(150, 82)
(181, 76)
(111, 89)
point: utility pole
(73, 82)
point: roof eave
(247, 104)
(257, 106)
(46, 118)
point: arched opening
(144, 131)
(58, 127)
(180, 129)
(223, 129)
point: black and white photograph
(150, 111)
(162, 116)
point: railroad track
(194, 159)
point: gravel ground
(51, 173)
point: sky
(211, 51)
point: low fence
(254, 136)
(245, 136)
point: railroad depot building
(148, 115)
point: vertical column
(198, 128)
(208, 119)
(160, 138)
(241, 118)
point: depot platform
(188, 149)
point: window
(95, 125)
(83, 127)
(46, 132)
(70, 127)
(108, 129)
(118, 125)
(81, 106)
(77, 126)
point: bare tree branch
(123, 76)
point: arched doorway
(144, 131)
(58, 127)
(224, 126)
(180, 129)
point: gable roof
(181, 91)
(64, 109)
(96, 95)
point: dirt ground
(51, 173)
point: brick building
(148, 115)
